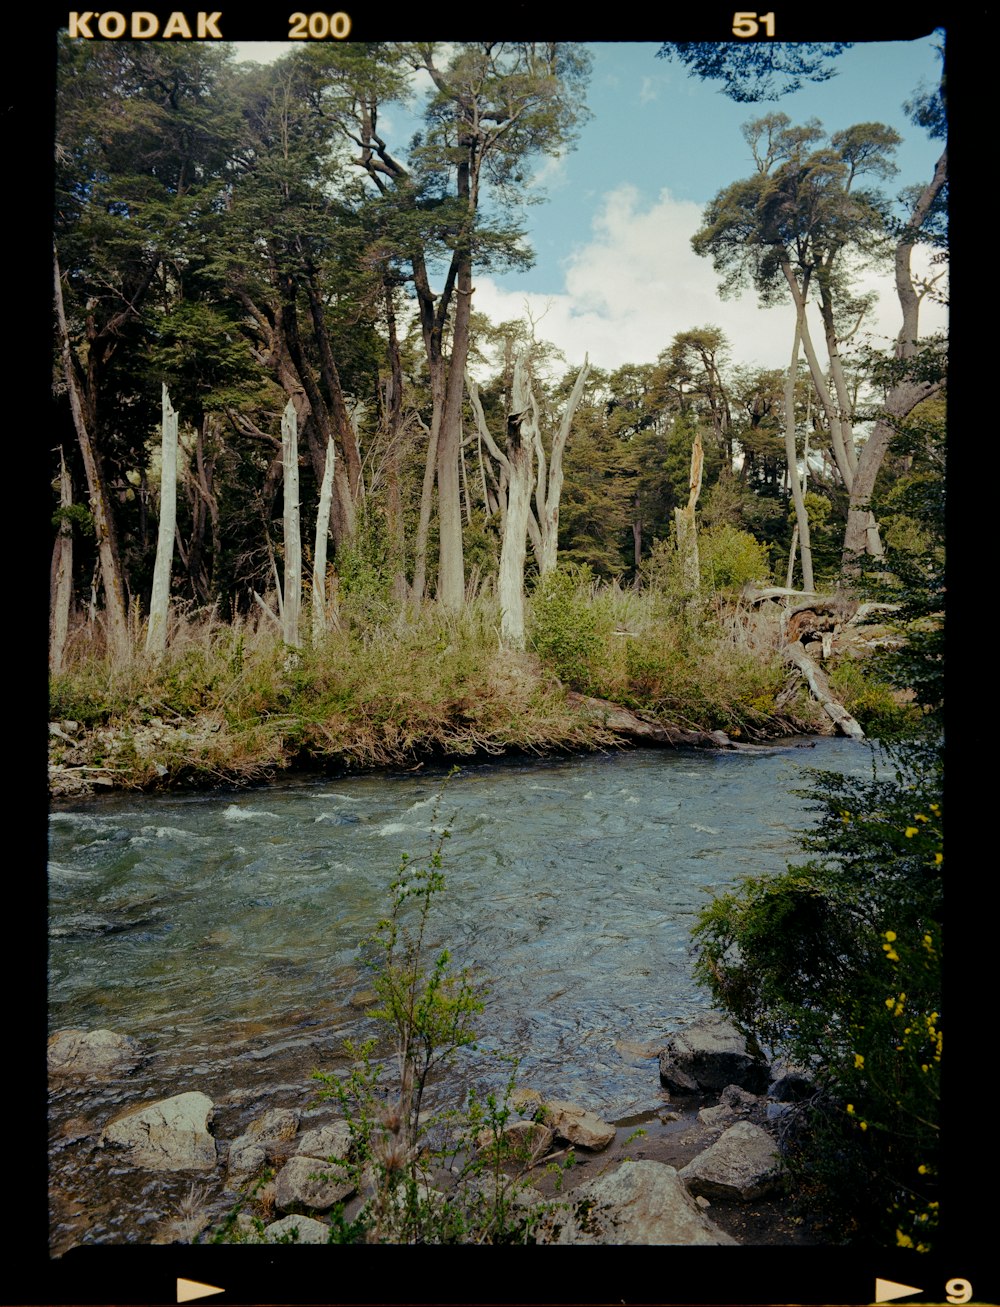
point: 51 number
(750, 24)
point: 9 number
(958, 1290)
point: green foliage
(430, 1177)
(871, 700)
(77, 515)
(563, 629)
(729, 559)
(835, 962)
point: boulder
(93, 1054)
(578, 1126)
(259, 1143)
(308, 1184)
(525, 1140)
(297, 1229)
(325, 1141)
(741, 1165)
(790, 1084)
(171, 1135)
(734, 1104)
(639, 1203)
(709, 1055)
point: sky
(614, 275)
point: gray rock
(742, 1164)
(325, 1141)
(639, 1203)
(791, 1084)
(95, 1054)
(262, 1140)
(171, 1135)
(297, 1229)
(308, 1184)
(525, 1140)
(735, 1103)
(578, 1126)
(710, 1055)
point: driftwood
(820, 686)
(625, 723)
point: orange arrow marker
(187, 1290)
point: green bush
(836, 964)
(730, 558)
(563, 629)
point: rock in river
(171, 1135)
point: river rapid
(222, 932)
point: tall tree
(159, 603)
(495, 105)
(795, 225)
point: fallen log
(819, 685)
(625, 723)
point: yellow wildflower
(859, 1061)
(910, 831)
(890, 936)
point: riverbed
(222, 932)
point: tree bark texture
(159, 602)
(319, 615)
(61, 587)
(684, 521)
(292, 596)
(114, 597)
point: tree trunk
(292, 596)
(820, 686)
(114, 598)
(791, 457)
(522, 433)
(159, 603)
(319, 618)
(547, 502)
(61, 587)
(684, 520)
(861, 535)
(451, 564)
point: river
(222, 932)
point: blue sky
(614, 275)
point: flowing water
(223, 932)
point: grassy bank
(230, 703)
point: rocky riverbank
(700, 1167)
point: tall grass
(230, 702)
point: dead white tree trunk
(292, 597)
(549, 487)
(61, 588)
(319, 622)
(684, 520)
(791, 456)
(159, 601)
(820, 686)
(516, 465)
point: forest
(311, 508)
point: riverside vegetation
(229, 702)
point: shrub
(730, 558)
(836, 963)
(428, 1007)
(564, 625)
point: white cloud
(637, 283)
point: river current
(222, 932)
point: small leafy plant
(428, 1177)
